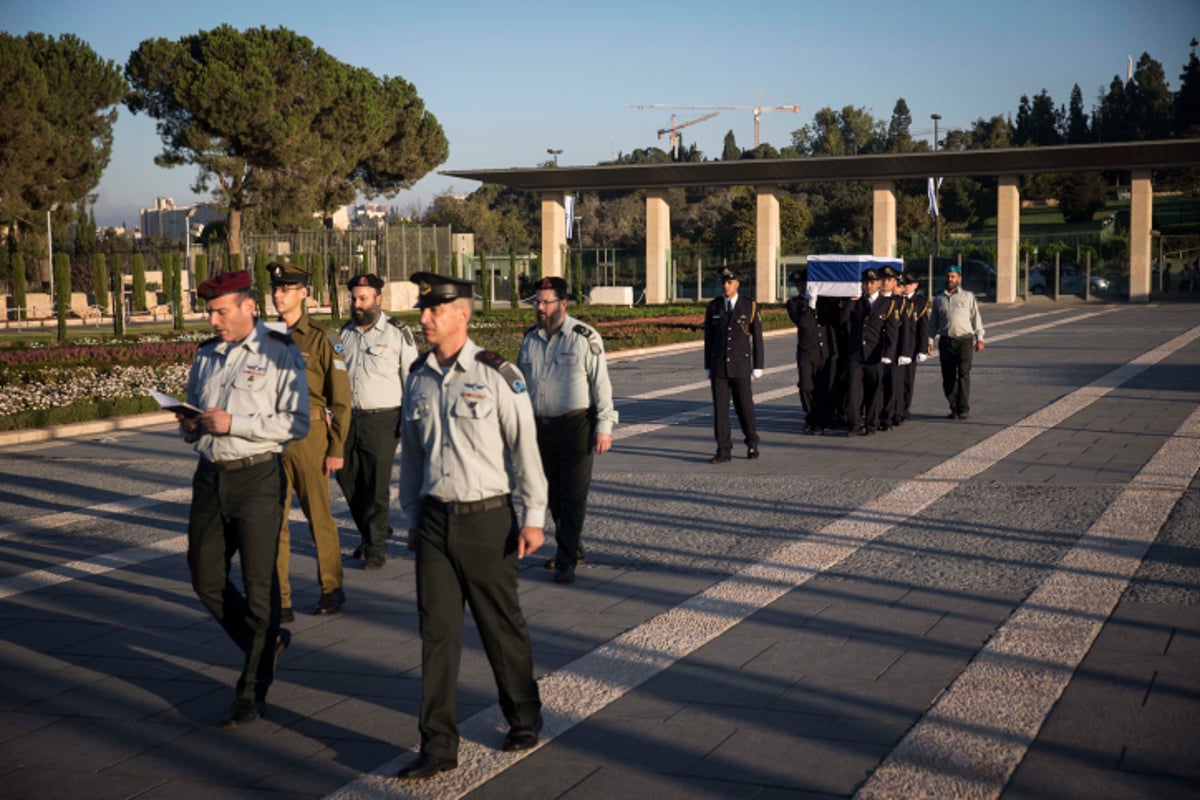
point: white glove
(756, 374)
(885, 361)
(921, 357)
(904, 361)
(708, 373)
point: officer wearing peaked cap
(733, 357)
(874, 323)
(470, 445)
(309, 462)
(379, 350)
(250, 383)
(814, 343)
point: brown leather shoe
(425, 766)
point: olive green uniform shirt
(328, 381)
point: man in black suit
(733, 357)
(813, 342)
(874, 330)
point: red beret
(224, 283)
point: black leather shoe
(719, 458)
(331, 602)
(358, 552)
(374, 562)
(885, 426)
(521, 738)
(952, 415)
(243, 713)
(287, 615)
(425, 766)
(564, 575)
(818, 431)
(751, 452)
(863, 430)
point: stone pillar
(884, 218)
(1141, 217)
(1008, 237)
(658, 245)
(766, 245)
(554, 233)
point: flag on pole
(933, 194)
(569, 205)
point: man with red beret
(250, 385)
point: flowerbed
(44, 384)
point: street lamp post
(554, 154)
(937, 247)
(187, 249)
(50, 250)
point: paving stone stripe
(970, 742)
(585, 686)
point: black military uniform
(733, 356)
(813, 358)
(874, 330)
(914, 333)
(890, 373)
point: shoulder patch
(507, 370)
(590, 335)
(335, 339)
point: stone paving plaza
(1002, 607)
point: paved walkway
(1003, 607)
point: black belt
(477, 507)
(234, 464)
(570, 415)
(366, 412)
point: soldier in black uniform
(874, 328)
(890, 376)
(813, 339)
(733, 357)
(914, 333)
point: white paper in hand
(168, 403)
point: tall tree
(899, 136)
(1021, 134)
(1045, 121)
(56, 128)
(730, 151)
(1187, 99)
(1077, 121)
(261, 113)
(1151, 101)
(1111, 122)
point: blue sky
(507, 80)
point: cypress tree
(513, 294)
(18, 268)
(139, 282)
(166, 267)
(118, 298)
(177, 290)
(200, 275)
(100, 265)
(261, 281)
(486, 284)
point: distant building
(169, 222)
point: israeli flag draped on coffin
(841, 275)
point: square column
(554, 233)
(1008, 237)
(658, 245)
(883, 207)
(1141, 216)
(766, 245)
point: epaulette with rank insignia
(335, 339)
(587, 333)
(405, 331)
(281, 336)
(507, 370)
(531, 329)
(419, 361)
(208, 341)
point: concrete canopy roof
(888, 166)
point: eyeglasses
(545, 303)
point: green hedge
(80, 412)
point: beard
(364, 317)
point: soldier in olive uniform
(379, 351)
(467, 417)
(310, 461)
(563, 361)
(733, 357)
(250, 385)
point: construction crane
(757, 108)
(674, 131)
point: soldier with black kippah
(379, 351)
